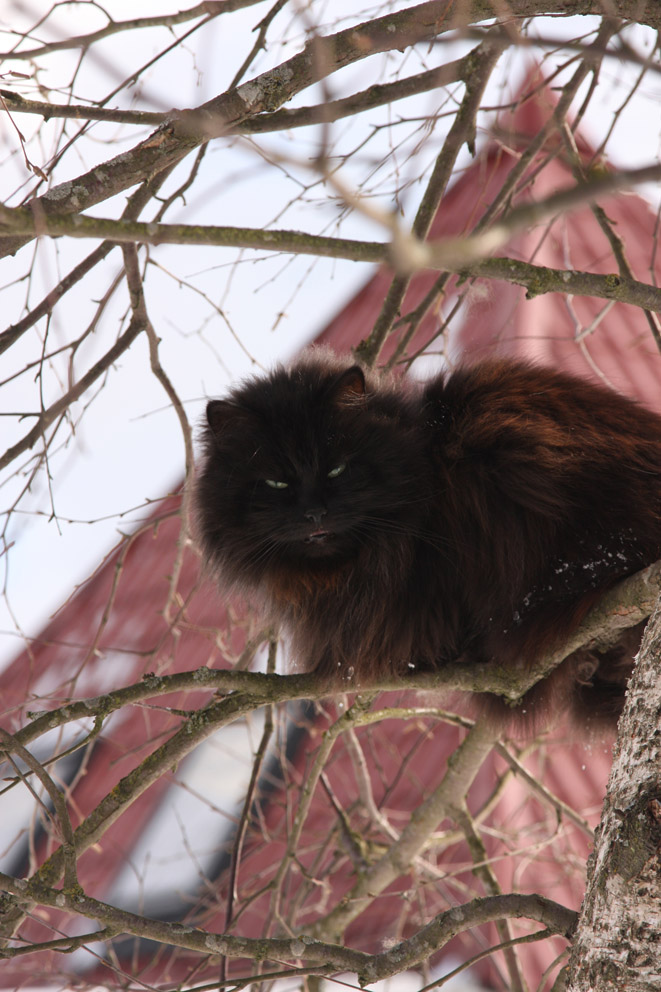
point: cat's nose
(315, 514)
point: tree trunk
(618, 940)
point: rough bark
(618, 938)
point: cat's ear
(220, 414)
(349, 385)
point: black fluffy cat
(391, 526)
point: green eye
(274, 484)
(334, 472)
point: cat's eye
(334, 472)
(274, 484)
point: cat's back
(504, 404)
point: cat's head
(305, 470)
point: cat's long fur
(477, 517)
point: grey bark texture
(618, 940)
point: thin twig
(482, 61)
(206, 9)
(9, 744)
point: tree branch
(483, 59)
(629, 602)
(616, 944)
(81, 112)
(466, 762)
(134, 206)
(207, 9)
(272, 688)
(9, 745)
(48, 416)
(558, 919)
(280, 120)
(265, 93)
(369, 967)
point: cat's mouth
(317, 536)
